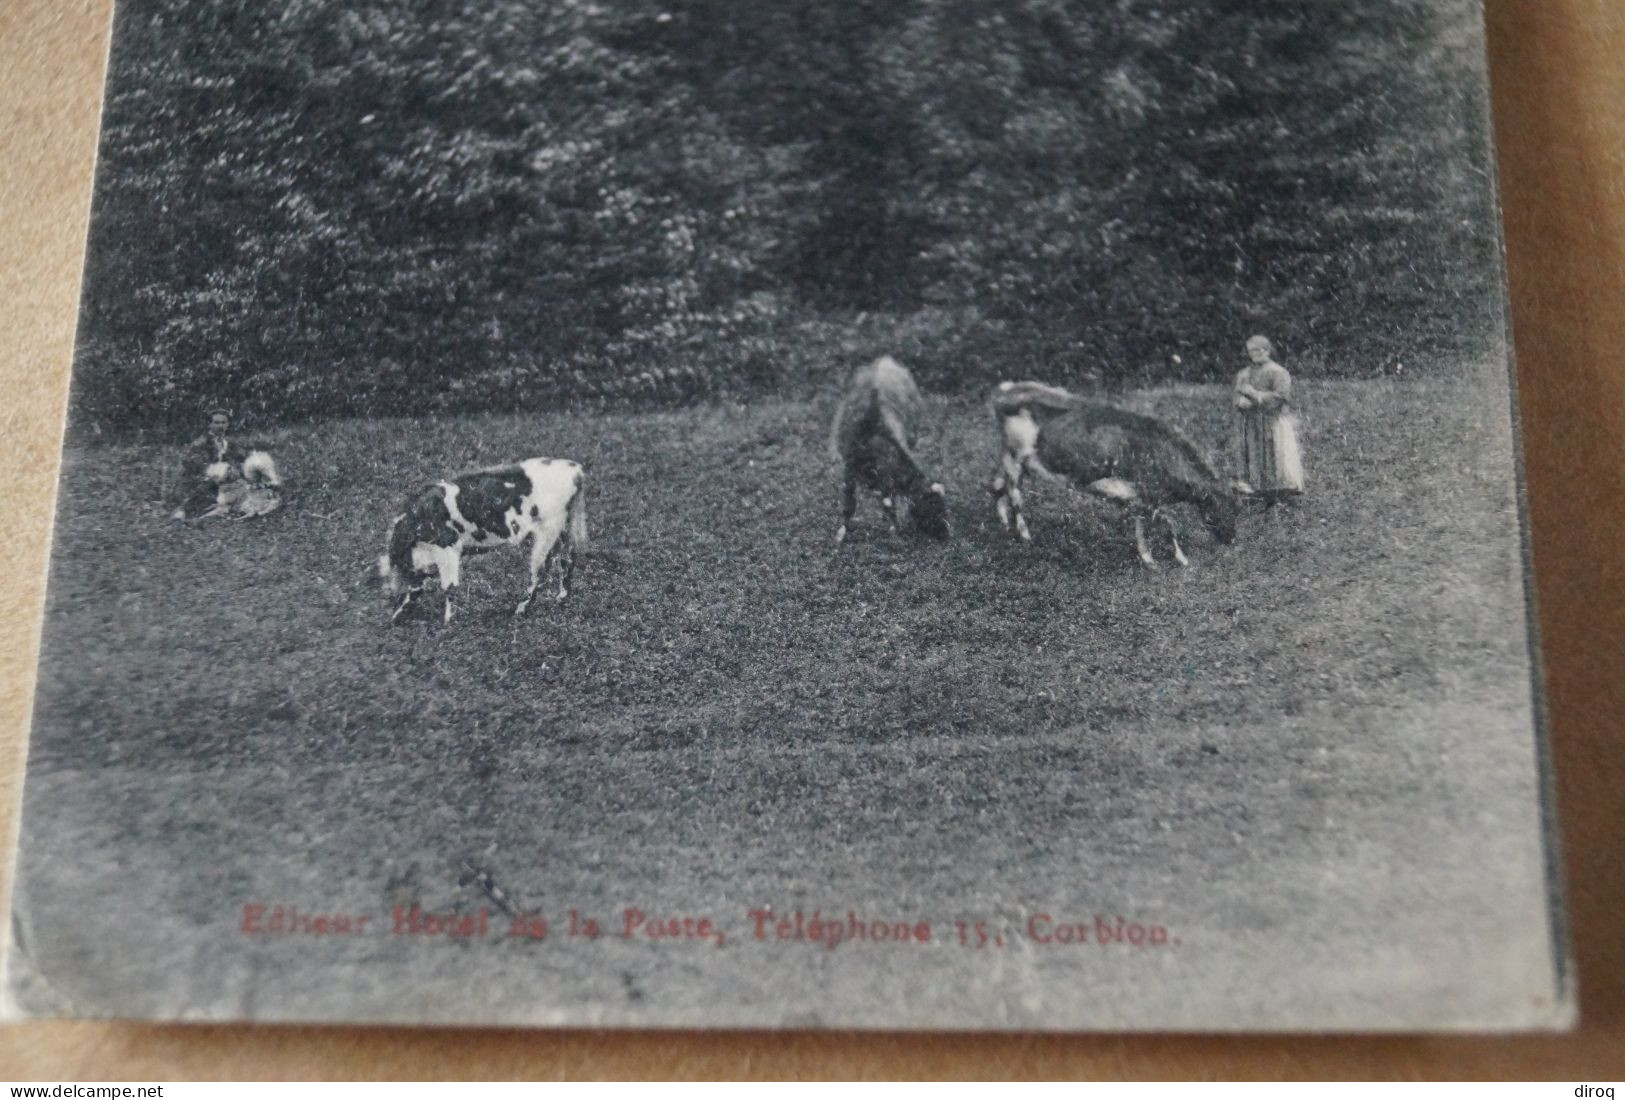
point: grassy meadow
(1308, 752)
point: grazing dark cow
(874, 435)
(540, 499)
(1139, 462)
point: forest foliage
(315, 208)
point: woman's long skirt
(1271, 461)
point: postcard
(678, 513)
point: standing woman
(1270, 463)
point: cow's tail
(892, 426)
(843, 433)
(578, 516)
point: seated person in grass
(220, 476)
(1271, 466)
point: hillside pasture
(1307, 750)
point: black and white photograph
(849, 515)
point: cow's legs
(541, 558)
(1001, 498)
(889, 506)
(549, 548)
(449, 566)
(849, 504)
(1019, 452)
(1173, 535)
(1139, 541)
(536, 570)
(1008, 483)
(1002, 502)
(564, 558)
(407, 601)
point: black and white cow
(540, 499)
(873, 436)
(1137, 461)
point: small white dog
(255, 490)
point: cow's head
(398, 585)
(1219, 513)
(928, 512)
(383, 574)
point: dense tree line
(320, 208)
